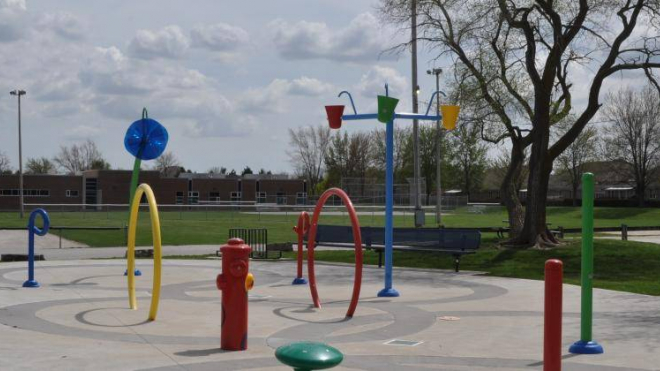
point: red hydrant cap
(235, 241)
(235, 244)
(554, 264)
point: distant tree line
(324, 158)
(627, 134)
(84, 156)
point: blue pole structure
(389, 291)
(335, 117)
(32, 230)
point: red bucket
(334, 116)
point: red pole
(301, 229)
(553, 312)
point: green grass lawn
(187, 228)
(623, 266)
(184, 228)
(627, 266)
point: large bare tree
(5, 164)
(512, 179)
(402, 152)
(307, 150)
(349, 156)
(469, 156)
(80, 157)
(166, 161)
(570, 164)
(523, 58)
(41, 165)
(634, 134)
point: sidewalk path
(638, 236)
(15, 242)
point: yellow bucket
(449, 116)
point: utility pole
(419, 213)
(438, 171)
(18, 93)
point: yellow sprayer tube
(158, 255)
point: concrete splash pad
(79, 319)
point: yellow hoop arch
(155, 231)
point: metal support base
(388, 293)
(586, 347)
(30, 283)
(299, 281)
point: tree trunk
(640, 190)
(509, 190)
(535, 231)
(575, 193)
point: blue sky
(227, 78)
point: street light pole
(18, 93)
(419, 213)
(438, 171)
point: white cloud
(119, 86)
(57, 86)
(168, 42)
(83, 132)
(373, 82)
(307, 86)
(271, 98)
(63, 24)
(13, 16)
(81, 86)
(219, 37)
(363, 40)
(267, 99)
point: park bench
(457, 242)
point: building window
(193, 197)
(236, 196)
(72, 193)
(281, 198)
(179, 198)
(26, 192)
(214, 196)
(261, 197)
(301, 198)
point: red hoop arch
(357, 238)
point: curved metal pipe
(350, 97)
(32, 230)
(158, 254)
(357, 238)
(428, 108)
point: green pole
(136, 168)
(586, 345)
(134, 181)
(587, 255)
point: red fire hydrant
(235, 281)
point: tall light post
(419, 213)
(438, 178)
(18, 93)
